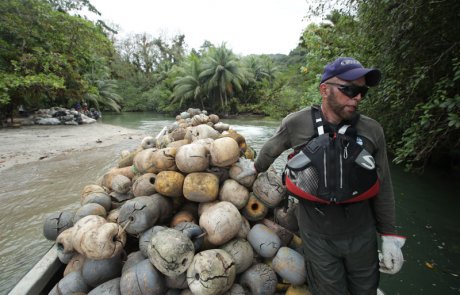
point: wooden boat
(46, 273)
(42, 277)
(49, 270)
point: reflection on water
(427, 208)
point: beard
(343, 111)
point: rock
(48, 121)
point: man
(344, 155)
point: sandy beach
(43, 170)
(34, 143)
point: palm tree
(222, 73)
(254, 66)
(269, 69)
(102, 89)
(189, 86)
(104, 93)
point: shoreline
(33, 143)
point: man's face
(341, 105)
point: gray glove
(247, 168)
(391, 259)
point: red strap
(372, 192)
(291, 187)
(295, 190)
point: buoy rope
(124, 227)
(201, 235)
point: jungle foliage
(48, 57)
(52, 55)
(416, 45)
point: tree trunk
(221, 100)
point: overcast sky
(247, 26)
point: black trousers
(348, 266)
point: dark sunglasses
(350, 90)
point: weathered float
(175, 217)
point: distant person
(77, 107)
(22, 111)
(340, 175)
(95, 114)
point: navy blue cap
(349, 69)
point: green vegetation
(48, 55)
(51, 57)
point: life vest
(333, 167)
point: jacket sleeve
(276, 145)
(384, 203)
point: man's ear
(323, 90)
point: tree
(268, 70)
(46, 54)
(72, 5)
(102, 90)
(222, 74)
(104, 93)
(416, 45)
(144, 66)
(189, 86)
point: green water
(427, 209)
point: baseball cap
(348, 68)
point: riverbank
(35, 143)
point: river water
(427, 208)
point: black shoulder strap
(349, 127)
(346, 127)
(318, 122)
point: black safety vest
(333, 167)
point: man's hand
(391, 259)
(247, 168)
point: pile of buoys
(175, 218)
